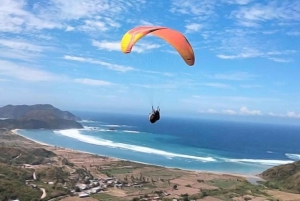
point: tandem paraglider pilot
(154, 116)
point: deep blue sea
(193, 144)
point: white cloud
(194, 27)
(211, 111)
(231, 112)
(107, 45)
(92, 82)
(241, 111)
(216, 85)
(270, 32)
(79, 9)
(248, 86)
(293, 33)
(200, 10)
(98, 15)
(280, 60)
(246, 111)
(288, 10)
(20, 49)
(20, 45)
(252, 53)
(288, 114)
(110, 66)
(70, 28)
(240, 2)
(15, 18)
(238, 76)
(157, 86)
(144, 22)
(91, 25)
(25, 73)
(293, 115)
(139, 47)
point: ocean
(191, 144)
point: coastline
(249, 177)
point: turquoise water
(241, 148)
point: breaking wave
(259, 161)
(295, 157)
(128, 131)
(75, 133)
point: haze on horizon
(67, 53)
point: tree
(175, 187)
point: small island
(36, 117)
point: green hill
(285, 177)
(16, 155)
(18, 111)
(36, 117)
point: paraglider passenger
(154, 116)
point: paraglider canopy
(173, 37)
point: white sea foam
(259, 161)
(86, 121)
(75, 133)
(89, 128)
(115, 125)
(295, 157)
(128, 131)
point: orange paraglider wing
(173, 37)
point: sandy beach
(158, 178)
(66, 152)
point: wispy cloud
(20, 49)
(239, 2)
(253, 52)
(241, 111)
(280, 60)
(15, 18)
(200, 10)
(248, 86)
(246, 111)
(93, 82)
(21, 72)
(293, 33)
(237, 76)
(145, 22)
(20, 45)
(97, 15)
(110, 66)
(107, 45)
(139, 47)
(216, 85)
(157, 86)
(288, 10)
(193, 27)
(288, 114)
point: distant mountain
(18, 111)
(285, 177)
(37, 116)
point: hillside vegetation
(37, 116)
(285, 177)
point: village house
(118, 185)
(83, 195)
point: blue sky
(67, 53)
